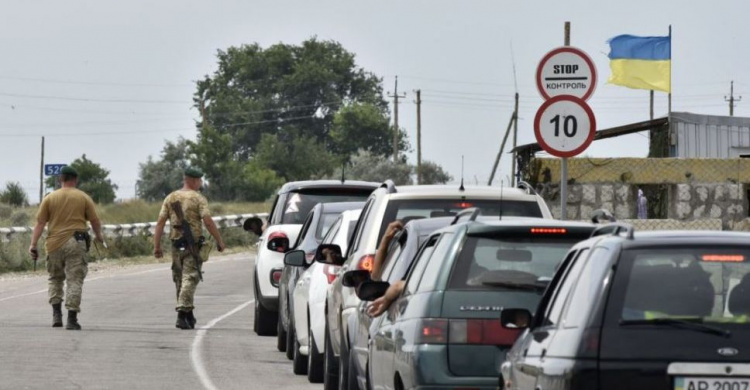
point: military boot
(182, 321)
(57, 315)
(73, 321)
(191, 319)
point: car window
(298, 204)
(354, 241)
(429, 208)
(394, 254)
(495, 262)
(419, 264)
(552, 317)
(303, 231)
(435, 263)
(332, 231)
(706, 284)
(278, 211)
(588, 286)
(325, 222)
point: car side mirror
(372, 290)
(253, 225)
(515, 318)
(295, 258)
(278, 242)
(354, 278)
(329, 254)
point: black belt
(181, 243)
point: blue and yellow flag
(641, 62)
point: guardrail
(135, 229)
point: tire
(330, 365)
(280, 335)
(343, 365)
(266, 320)
(299, 363)
(291, 335)
(315, 360)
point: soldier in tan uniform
(184, 268)
(66, 210)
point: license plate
(702, 383)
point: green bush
(5, 211)
(14, 195)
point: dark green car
(443, 330)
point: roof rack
(526, 186)
(389, 186)
(614, 229)
(473, 213)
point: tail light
(278, 242)
(366, 262)
(432, 331)
(549, 231)
(330, 272)
(276, 276)
(481, 332)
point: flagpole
(669, 97)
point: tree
(14, 195)
(369, 167)
(92, 179)
(156, 179)
(433, 173)
(280, 106)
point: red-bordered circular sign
(564, 126)
(566, 71)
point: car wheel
(343, 365)
(314, 361)
(291, 335)
(330, 365)
(267, 320)
(299, 363)
(280, 335)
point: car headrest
(739, 298)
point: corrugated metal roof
(710, 136)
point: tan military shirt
(66, 210)
(194, 207)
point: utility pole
(731, 98)
(564, 160)
(419, 136)
(395, 97)
(41, 175)
(515, 143)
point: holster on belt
(83, 236)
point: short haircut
(67, 177)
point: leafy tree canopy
(433, 173)
(156, 179)
(14, 195)
(92, 179)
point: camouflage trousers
(67, 264)
(185, 277)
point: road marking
(195, 351)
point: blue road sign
(53, 169)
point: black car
(320, 218)
(660, 310)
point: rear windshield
(299, 204)
(325, 223)
(706, 284)
(430, 208)
(518, 263)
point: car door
(390, 335)
(528, 355)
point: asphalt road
(129, 340)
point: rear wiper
(695, 324)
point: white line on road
(195, 351)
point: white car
(310, 298)
(290, 208)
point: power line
(92, 83)
(76, 99)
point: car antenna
(461, 188)
(502, 184)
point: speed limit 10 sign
(564, 126)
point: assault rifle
(187, 235)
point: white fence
(135, 229)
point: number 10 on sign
(564, 126)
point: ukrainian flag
(641, 62)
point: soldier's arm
(158, 232)
(96, 224)
(211, 227)
(42, 217)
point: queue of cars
(481, 289)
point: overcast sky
(114, 80)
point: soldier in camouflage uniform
(66, 210)
(184, 269)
